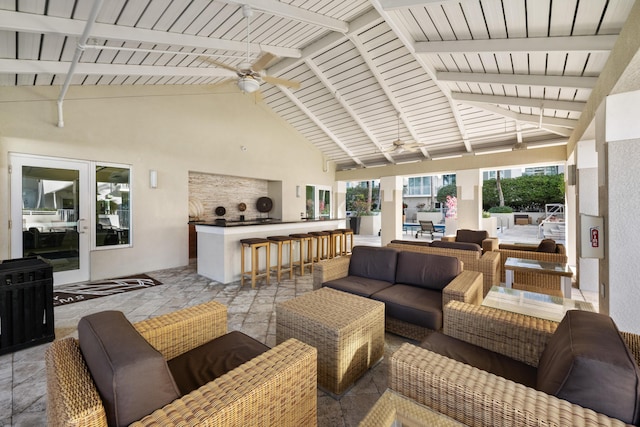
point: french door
(50, 214)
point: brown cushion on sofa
(587, 362)
(427, 270)
(410, 242)
(132, 377)
(471, 236)
(465, 246)
(547, 246)
(203, 364)
(357, 285)
(481, 358)
(374, 263)
(412, 304)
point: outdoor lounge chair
(426, 227)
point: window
(113, 199)
(419, 186)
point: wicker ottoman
(347, 330)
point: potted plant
(359, 209)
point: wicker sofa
(487, 263)
(414, 286)
(479, 237)
(532, 281)
(478, 398)
(251, 394)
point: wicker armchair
(534, 282)
(478, 398)
(277, 388)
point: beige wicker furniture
(467, 286)
(480, 237)
(347, 330)
(488, 263)
(276, 388)
(532, 281)
(541, 268)
(478, 398)
(393, 409)
(544, 306)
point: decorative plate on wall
(264, 204)
(242, 207)
(220, 211)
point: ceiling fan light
(248, 84)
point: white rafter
(25, 66)
(522, 102)
(41, 24)
(520, 79)
(319, 123)
(409, 43)
(525, 45)
(385, 88)
(276, 8)
(336, 93)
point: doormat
(68, 294)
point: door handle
(78, 226)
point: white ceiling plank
(527, 102)
(538, 17)
(39, 24)
(615, 16)
(562, 13)
(584, 23)
(389, 5)
(295, 13)
(492, 12)
(539, 44)
(61, 8)
(28, 46)
(520, 79)
(515, 15)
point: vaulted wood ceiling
(444, 77)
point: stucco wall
(173, 130)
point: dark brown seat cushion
(412, 304)
(587, 362)
(357, 285)
(132, 377)
(547, 246)
(410, 242)
(481, 358)
(203, 364)
(465, 246)
(427, 270)
(471, 236)
(374, 263)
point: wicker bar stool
(279, 241)
(347, 233)
(337, 239)
(254, 245)
(306, 254)
(323, 246)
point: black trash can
(26, 303)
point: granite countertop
(255, 221)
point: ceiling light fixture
(248, 84)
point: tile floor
(252, 311)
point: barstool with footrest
(254, 244)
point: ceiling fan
(249, 75)
(399, 146)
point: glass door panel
(48, 204)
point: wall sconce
(153, 178)
(297, 191)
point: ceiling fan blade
(262, 62)
(283, 82)
(218, 64)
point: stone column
(391, 208)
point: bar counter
(219, 242)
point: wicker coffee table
(347, 330)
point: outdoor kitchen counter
(219, 242)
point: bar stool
(337, 238)
(279, 241)
(254, 244)
(347, 232)
(305, 259)
(323, 248)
